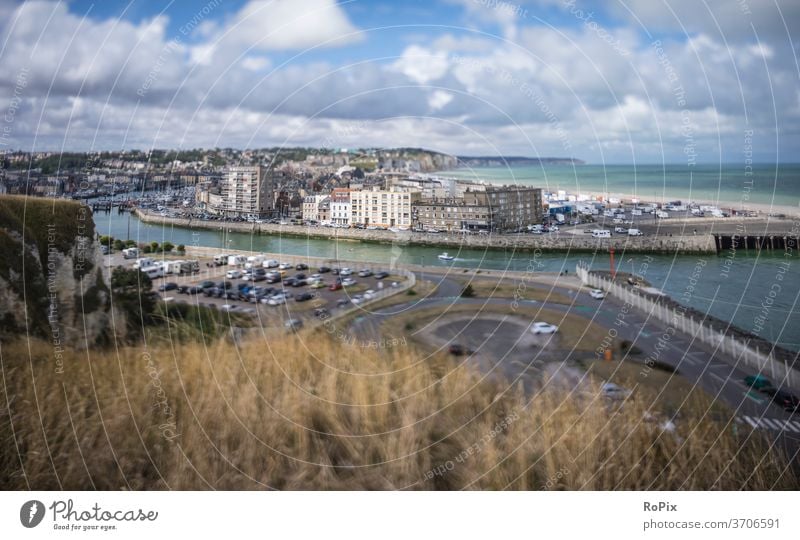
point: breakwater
(694, 244)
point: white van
(270, 263)
(635, 232)
(662, 215)
(236, 260)
(601, 233)
(636, 212)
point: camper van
(254, 261)
(236, 260)
(130, 253)
(635, 232)
(143, 263)
(221, 259)
(153, 272)
(662, 215)
(601, 233)
(190, 267)
(171, 267)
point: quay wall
(525, 242)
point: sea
(726, 185)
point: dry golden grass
(290, 414)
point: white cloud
(421, 65)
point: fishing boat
(446, 257)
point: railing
(783, 371)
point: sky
(621, 81)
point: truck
(130, 253)
(661, 214)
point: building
(382, 208)
(315, 208)
(340, 206)
(248, 192)
(492, 209)
(451, 215)
(513, 207)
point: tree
(146, 248)
(131, 292)
(168, 246)
(130, 243)
(154, 246)
(118, 245)
(106, 240)
(181, 248)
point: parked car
(342, 302)
(207, 284)
(335, 286)
(169, 286)
(293, 324)
(304, 297)
(365, 273)
(284, 266)
(301, 266)
(324, 269)
(597, 293)
(227, 308)
(369, 294)
(276, 300)
(348, 282)
(381, 275)
(322, 313)
(757, 382)
(233, 274)
(543, 328)
(318, 284)
(345, 272)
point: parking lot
(277, 296)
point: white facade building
(382, 208)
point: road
(700, 364)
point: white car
(543, 328)
(347, 282)
(272, 263)
(276, 301)
(233, 274)
(370, 294)
(285, 266)
(227, 308)
(597, 293)
(345, 272)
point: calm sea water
(723, 184)
(737, 294)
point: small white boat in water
(445, 257)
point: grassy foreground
(293, 413)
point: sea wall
(525, 242)
(735, 346)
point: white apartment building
(382, 208)
(340, 206)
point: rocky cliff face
(51, 280)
